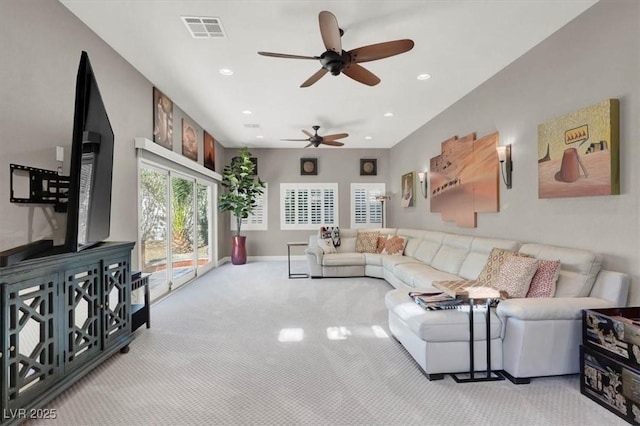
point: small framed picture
(189, 140)
(209, 151)
(308, 166)
(368, 167)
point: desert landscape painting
(464, 179)
(578, 154)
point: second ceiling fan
(336, 61)
(316, 140)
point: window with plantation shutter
(308, 205)
(366, 211)
(258, 220)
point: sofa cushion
(373, 259)
(429, 246)
(367, 242)
(422, 275)
(477, 258)
(415, 237)
(394, 245)
(452, 253)
(515, 275)
(578, 268)
(543, 283)
(343, 259)
(326, 244)
(348, 245)
(390, 262)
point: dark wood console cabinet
(62, 315)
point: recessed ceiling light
(388, 114)
(226, 71)
(424, 76)
(259, 137)
(368, 137)
(246, 112)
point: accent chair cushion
(515, 275)
(543, 283)
(367, 242)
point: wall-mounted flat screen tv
(89, 210)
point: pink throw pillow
(544, 281)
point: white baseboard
(263, 258)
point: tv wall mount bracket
(45, 187)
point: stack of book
(435, 301)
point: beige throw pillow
(515, 275)
(367, 242)
(496, 258)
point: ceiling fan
(316, 139)
(336, 61)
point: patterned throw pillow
(543, 283)
(326, 244)
(515, 275)
(496, 258)
(332, 232)
(395, 245)
(381, 241)
(367, 242)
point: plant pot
(239, 251)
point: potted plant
(242, 188)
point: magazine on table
(435, 301)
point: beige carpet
(245, 345)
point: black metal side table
(295, 244)
(489, 375)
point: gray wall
(593, 58)
(38, 68)
(275, 166)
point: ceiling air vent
(252, 126)
(204, 27)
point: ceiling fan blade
(380, 50)
(285, 55)
(333, 143)
(334, 137)
(321, 72)
(298, 140)
(308, 145)
(330, 31)
(307, 133)
(361, 74)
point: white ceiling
(461, 43)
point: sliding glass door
(175, 227)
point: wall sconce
(506, 165)
(424, 184)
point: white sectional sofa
(530, 337)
